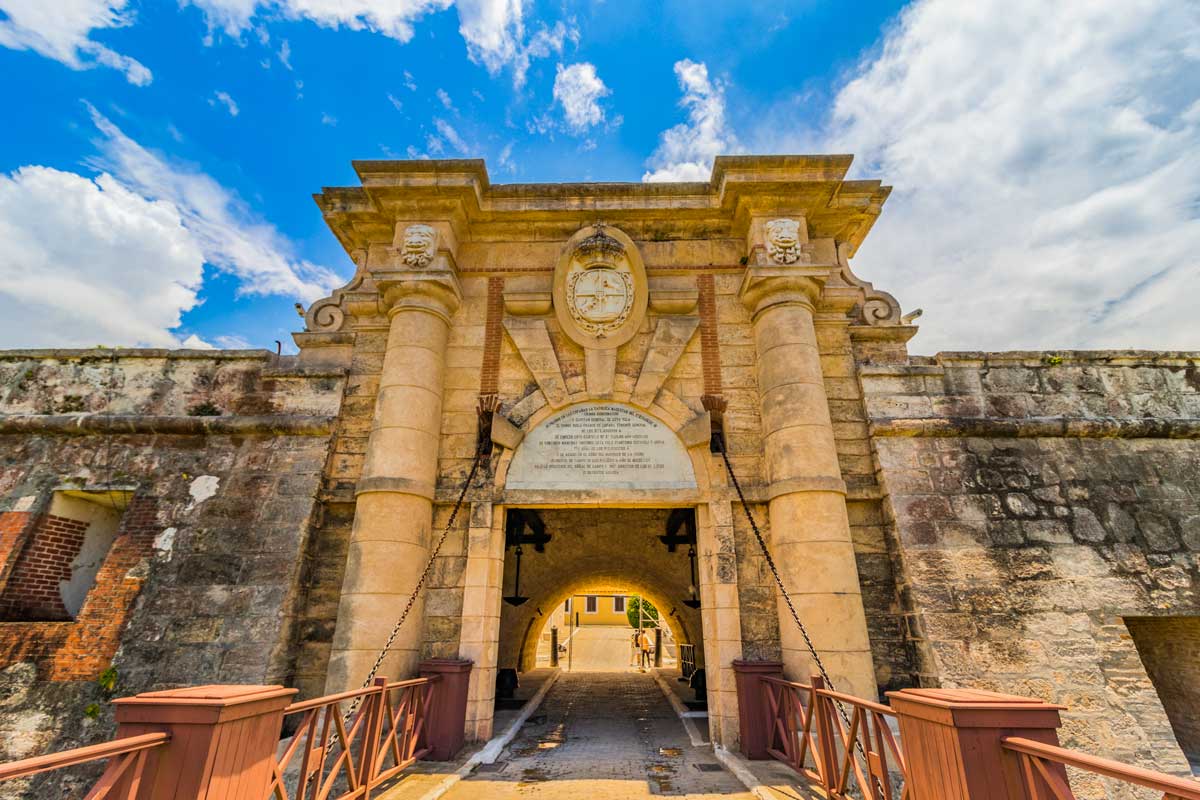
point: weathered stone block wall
(1036, 501)
(756, 588)
(201, 583)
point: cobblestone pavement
(605, 736)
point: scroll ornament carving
(783, 242)
(420, 245)
(877, 307)
(327, 315)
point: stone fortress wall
(216, 457)
(1045, 514)
(1024, 522)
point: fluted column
(810, 531)
(390, 541)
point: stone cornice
(100, 354)
(459, 190)
(1039, 427)
(122, 424)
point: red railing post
(445, 723)
(821, 708)
(368, 759)
(755, 720)
(952, 741)
(223, 740)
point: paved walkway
(605, 736)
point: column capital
(436, 292)
(766, 286)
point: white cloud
(285, 54)
(493, 30)
(409, 83)
(1046, 159)
(686, 151)
(505, 159)
(452, 137)
(233, 342)
(88, 262)
(119, 258)
(578, 89)
(61, 30)
(230, 235)
(328, 119)
(194, 342)
(395, 101)
(445, 100)
(224, 99)
(392, 18)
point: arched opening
(594, 627)
(604, 553)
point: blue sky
(158, 158)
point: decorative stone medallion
(420, 245)
(600, 290)
(600, 298)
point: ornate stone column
(810, 531)
(390, 541)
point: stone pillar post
(391, 538)
(810, 531)
(953, 742)
(223, 741)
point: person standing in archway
(644, 648)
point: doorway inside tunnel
(600, 590)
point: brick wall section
(710, 347)
(81, 649)
(489, 380)
(32, 590)
(13, 525)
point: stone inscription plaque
(601, 446)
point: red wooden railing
(960, 745)
(224, 742)
(1042, 769)
(840, 754)
(384, 736)
(127, 761)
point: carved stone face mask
(783, 240)
(420, 245)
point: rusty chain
(786, 599)
(481, 452)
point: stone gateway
(1024, 522)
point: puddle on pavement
(555, 737)
(670, 751)
(533, 775)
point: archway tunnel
(598, 552)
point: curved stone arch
(697, 452)
(520, 646)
